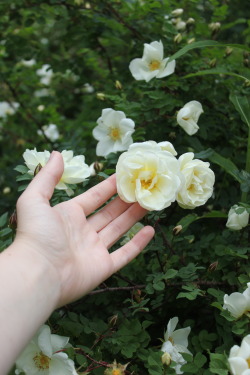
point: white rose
(238, 303)
(46, 74)
(198, 182)
(237, 221)
(239, 357)
(152, 64)
(50, 131)
(188, 116)
(113, 132)
(149, 175)
(75, 168)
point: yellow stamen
(145, 184)
(114, 133)
(154, 65)
(185, 118)
(41, 361)
(116, 372)
(248, 362)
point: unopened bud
(118, 85)
(246, 54)
(192, 40)
(228, 51)
(13, 220)
(177, 12)
(178, 38)
(78, 2)
(113, 320)
(87, 6)
(37, 169)
(177, 229)
(100, 95)
(247, 83)
(166, 359)
(190, 21)
(40, 107)
(214, 26)
(246, 63)
(213, 62)
(6, 190)
(213, 266)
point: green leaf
(21, 169)
(204, 44)
(226, 164)
(242, 106)
(217, 71)
(3, 219)
(5, 232)
(186, 221)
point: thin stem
(244, 194)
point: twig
(97, 291)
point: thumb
(45, 181)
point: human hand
(72, 244)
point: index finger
(97, 195)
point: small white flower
(179, 24)
(237, 221)
(8, 108)
(131, 233)
(188, 116)
(198, 181)
(113, 132)
(176, 342)
(177, 12)
(88, 89)
(28, 63)
(75, 168)
(50, 131)
(44, 355)
(152, 64)
(41, 93)
(238, 303)
(239, 358)
(46, 74)
(149, 175)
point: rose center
(248, 362)
(114, 133)
(185, 118)
(154, 65)
(116, 372)
(41, 361)
(145, 184)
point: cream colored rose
(149, 175)
(237, 220)
(75, 168)
(199, 180)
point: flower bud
(177, 229)
(246, 54)
(190, 21)
(213, 62)
(178, 38)
(37, 169)
(213, 266)
(40, 108)
(118, 85)
(166, 359)
(78, 2)
(192, 40)
(246, 63)
(214, 26)
(6, 190)
(177, 12)
(13, 220)
(100, 96)
(113, 320)
(228, 51)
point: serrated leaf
(4, 232)
(21, 169)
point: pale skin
(60, 253)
